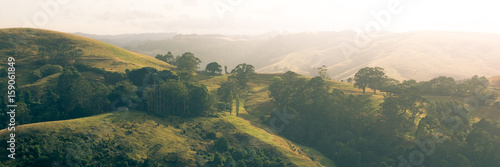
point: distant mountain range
(420, 55)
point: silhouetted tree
(213, 68)
(323, 72)
(372, 77)
(187, 62)
(243, 73)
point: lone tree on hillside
(349, 80)
(372, 77)
(188, 62)
(213, 68)
(243, 73)
(323, 72)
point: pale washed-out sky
(247, 16)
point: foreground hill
(123, 138)
(29, 43)
(136, 138)
(420, 55)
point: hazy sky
(247, 16)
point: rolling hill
(132, 137)
(28, 42)
(420, 55)
(167, 140)
(128, 40)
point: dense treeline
(447, 86)
(325, 119)
(174, 97)
(73, 95)
(72, 150)
(404, 130)
(375, 78)
(185, 62)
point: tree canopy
(372, 77)
(213, 68)
(188, 62)
(243, 73)
(168, 58)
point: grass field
(257, 103)
(95, 53)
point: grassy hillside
(27, 42)
(258, 102)
(257, 106)
(129, 137)
(147, 137)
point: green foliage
(282, 88)
(222, 144)
(349, 80)
(323, 72)
(187, 62)
(82, 97)
(174, 97)
(237, 104)
(142, 77)
(123, 94)
(199, 100)
(372, 77)
(315, 113)
(88, 68)
(213, 68)
(23, 110)
(221, 106)
(34, 75)
(71, 150)
(168, 58)
(241, 163)
(243, 73)
(227, 93)
(112, 78)
(218, 160)
(447, 86)
(349, 131)
(48, 69)
(245, 156)
(227, 90)
(61, 53)
(169, 98)
(44, 71)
